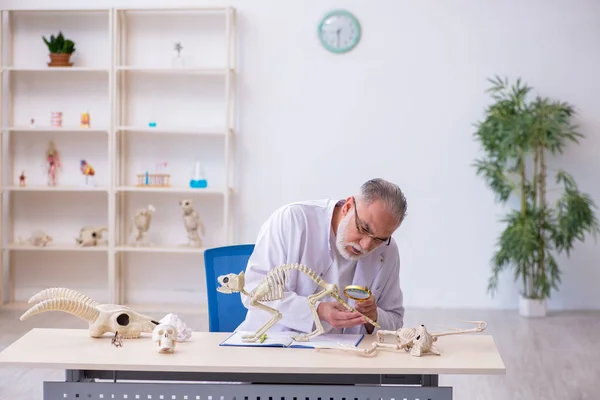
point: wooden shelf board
(69, 129)
(172, 189)
(173, 9)
(174, 130)
(170, 70)
(41, 188)
(58, 10)
(56, 69)
(162, 249)
(54, 247)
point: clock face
(339, 31)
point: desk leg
(430, 380)
(75, 375)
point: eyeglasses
(364, 231)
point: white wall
(402, 106)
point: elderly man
(345, 242)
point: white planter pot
(532, 307)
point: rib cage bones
(277, 278)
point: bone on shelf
(153, 180)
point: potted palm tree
(517, 137)
(60, 49)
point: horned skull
(102, 318)
(231, 283)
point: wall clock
(339, 31)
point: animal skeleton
(38, 238)
(192, 222)
(102, 318)
(141, 222)
(89, 236)
(272, 287)
(417, 341)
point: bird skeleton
(272, 288)
(141, 222)
(102, 318)
(417, 341)
(192, 223)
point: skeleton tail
(336, 296)
(62, 293)
(74, 307)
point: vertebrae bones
(101, 318)
(272, 287)
(417, 341)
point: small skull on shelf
(90, 236)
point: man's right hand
(339, 316)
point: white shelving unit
(125, 77)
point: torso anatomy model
(102, 318)
(272, 287)
(417, 341)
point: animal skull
(231, 283)
(89, 236)
(102, 318)
(164, 337)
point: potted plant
(518, 137)
(60, 49)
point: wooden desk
(253, 373)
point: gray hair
(389, 193)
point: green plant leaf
(516, 136)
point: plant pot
(532, 308)
(60, 60)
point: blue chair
(225, 311)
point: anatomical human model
(164, 337)
(141, 222)
(53, 160)
(417, 341)
(192, 222)
(87, 170)
(102, 318)
(272, 287)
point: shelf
(206, 191)
(54, 247)
(55, 69)
(67, 129)
(161, 249)
(178, 70)
(57, 188)
(174, 131)
(123, 86)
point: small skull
(164, 337)
(231, 283)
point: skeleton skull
(101, 318)
(164, 337)
(231, 283)
(89, 236)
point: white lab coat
(299, 233)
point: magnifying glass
(358, 293)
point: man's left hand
(368, 308)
